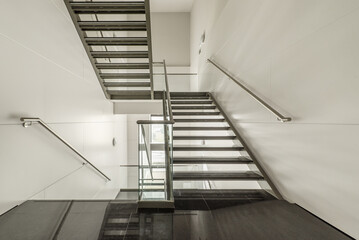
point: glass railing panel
(159, 83)
(155, 162)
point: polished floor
(67, 220)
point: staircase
(211, 160)
(117, 38)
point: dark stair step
(222, 194)
(193, 97)
(127, 84)
(122, 65)
(204, 137)
(194, 175)
(201, 128)
(116, 41)
(193, 107)
(129, 94)
(108, 7)
(192, 148)
(119, 54)
(211, 160)
(191, 102)
(199, 120)
(195, 113)
(189, 94)
(125, 75)
(113, 26)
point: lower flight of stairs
(209, 161)
(208, 156)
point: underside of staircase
(117, 38)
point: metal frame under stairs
(117, 39)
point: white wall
(171, 41)
(302, 57)
(170, 38)
(46, 73)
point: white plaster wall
(302, 57)
(170, 38)
(46, 73)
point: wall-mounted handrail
(28, 122)
(279, 116)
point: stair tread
(207, 148)
(204, 137)
(201, 128)
(119, 54)
(191, 101)
(195, 113)
(186, 94)
(116, 41)
(199, 120)
(212, 175)
(194, 97)
(221, 193)
(129, 94)
(108, 7)
(174, 102)
(123, 65)
(219, 160)
(127, 84)
(125, 75)
(194, 107)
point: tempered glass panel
(155, 162)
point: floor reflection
(192, 220)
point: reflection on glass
(155, 161)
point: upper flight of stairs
(117, 38)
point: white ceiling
(171, 5)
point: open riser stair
(209, 158)
(117, 38)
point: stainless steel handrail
(168, 91)
(279, 116)
(149, 43)
(169, 193)
(28, 122)
(149, 159)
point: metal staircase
(211, 159)
(207, 158)
(117, 38)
